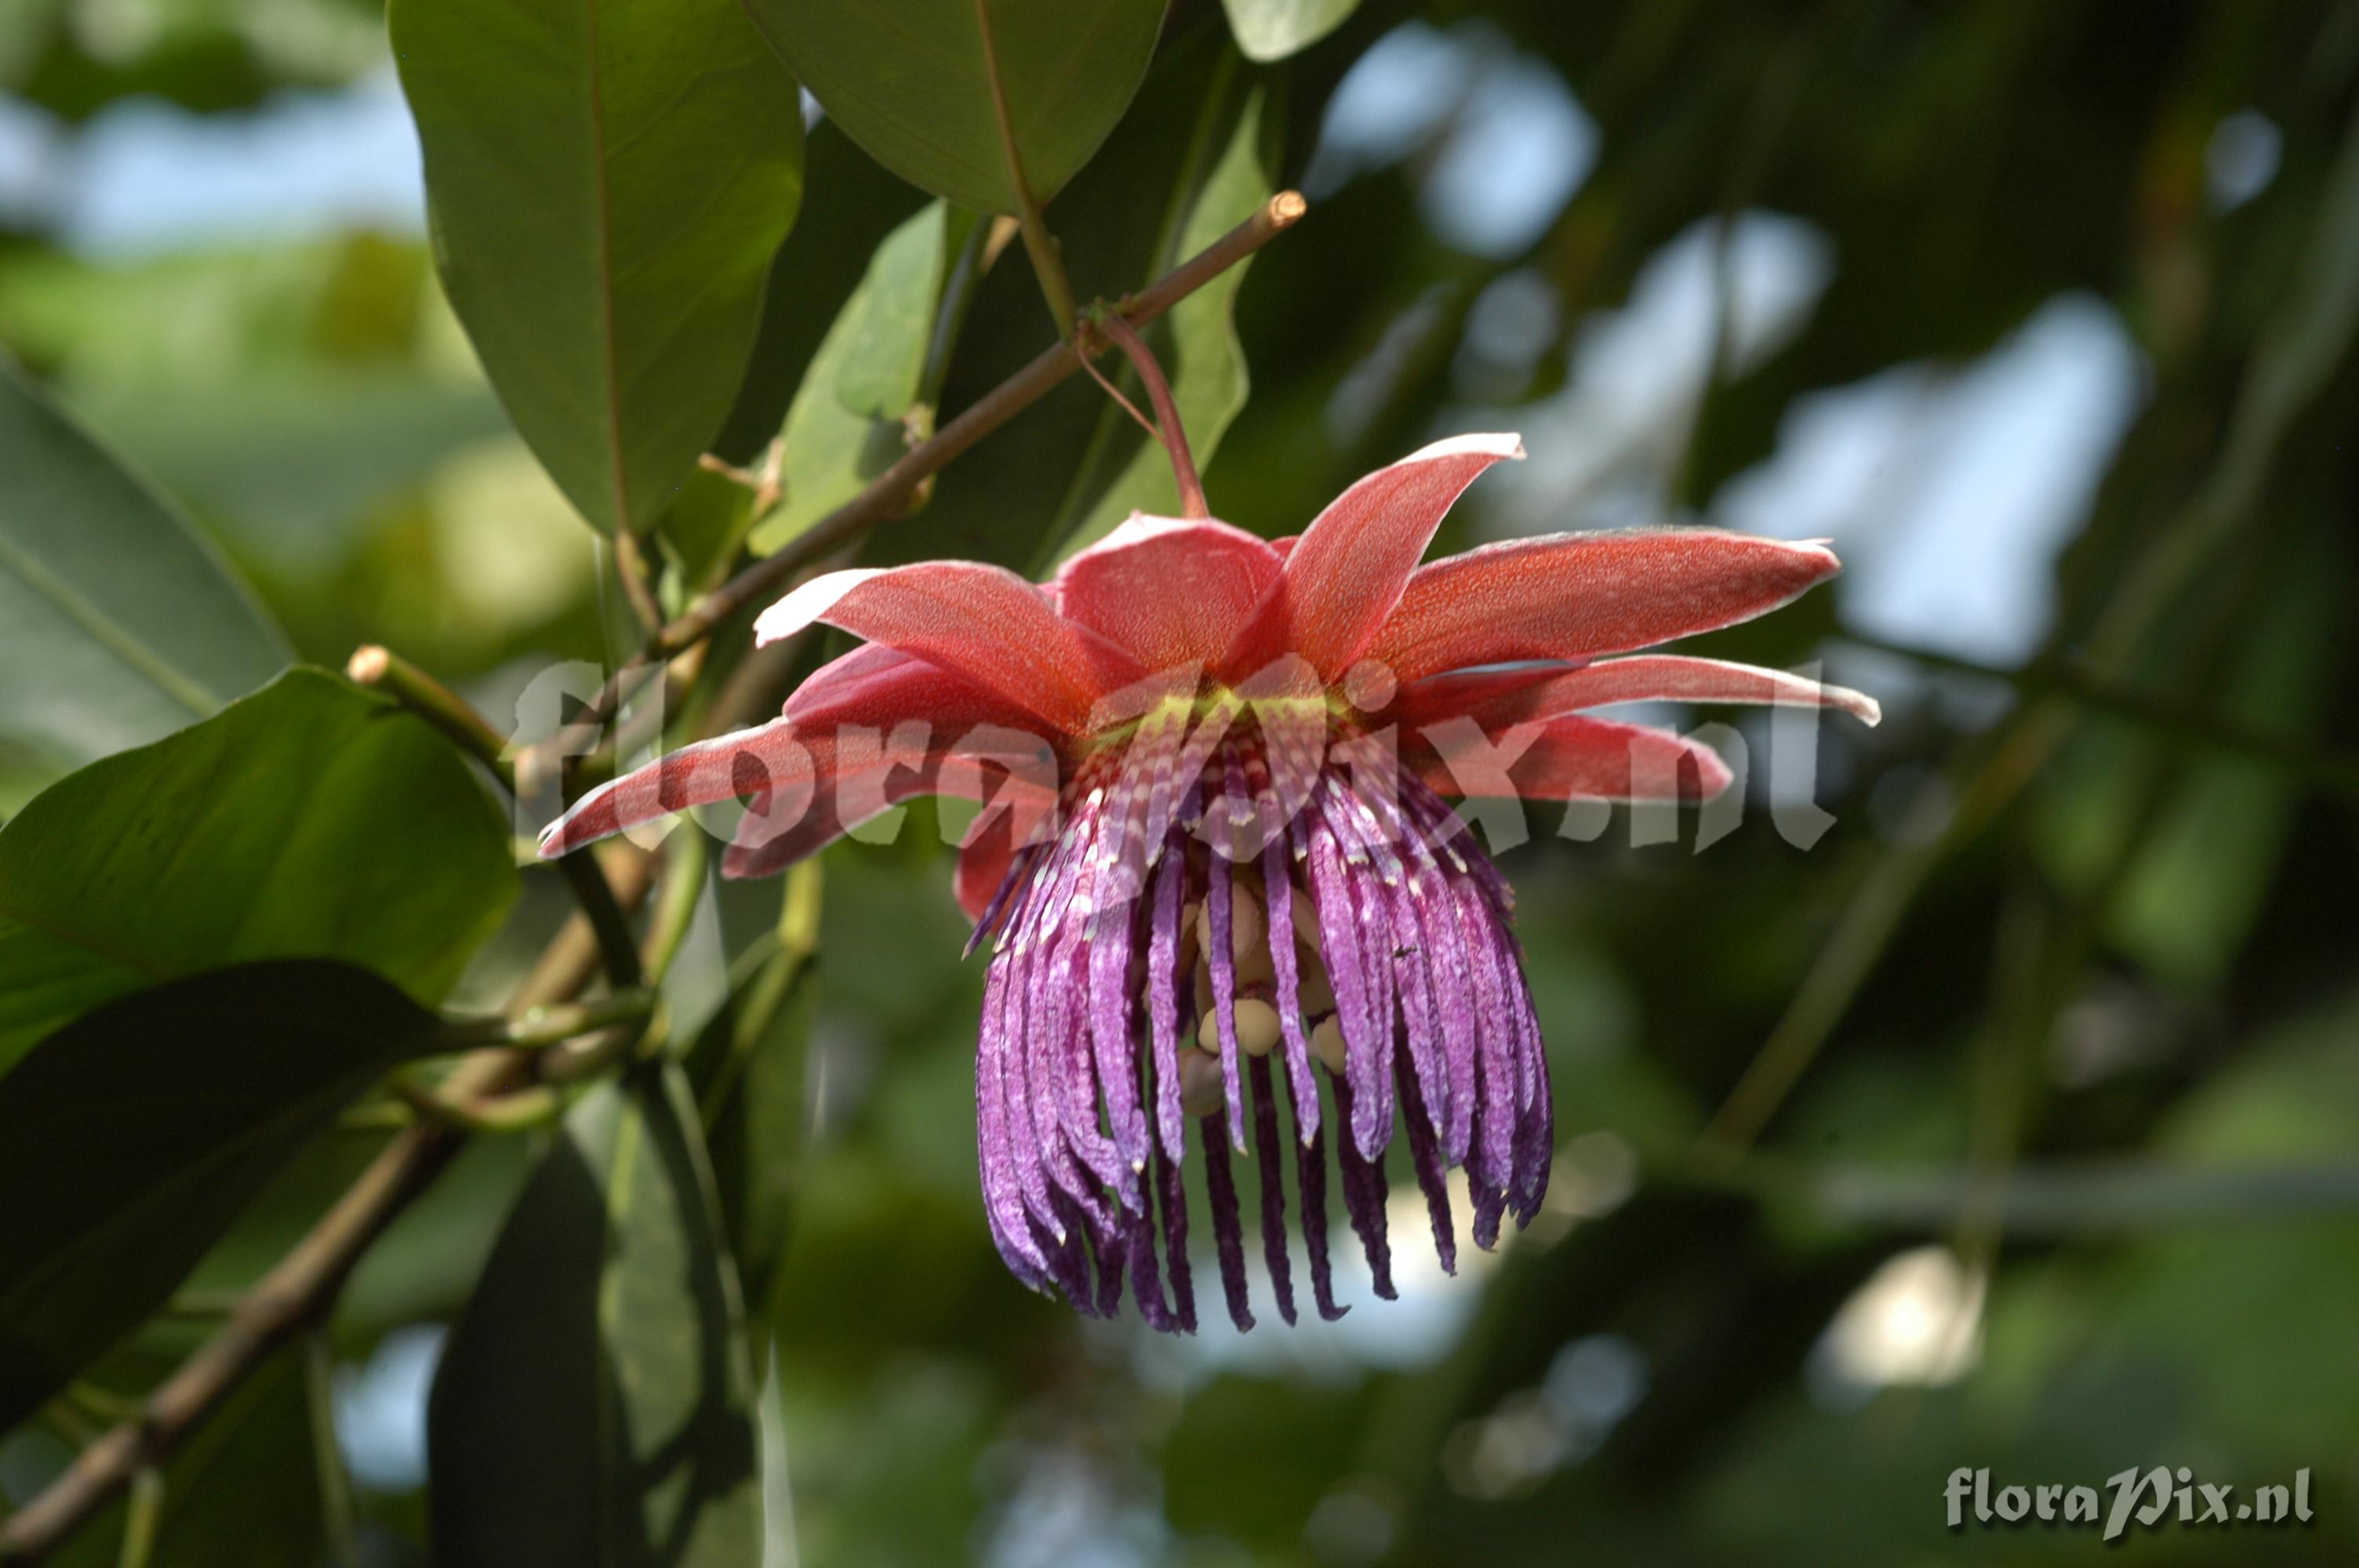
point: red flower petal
(1574, 758)
(766, 843)
(871, 729)
(770, 757)
(1570, 596)
(1169, 591)
(1497, 699)
(981, 867)
(882, 686)
(1343, 575)
(864, 705)
(981, 622)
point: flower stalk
(381, 668)
(1168, 427)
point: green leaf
(757, 1128)
(310, 819)
(118, 621)
(595, 1404)
(131, 1139)
(747, 1067)
(608, 183)
(285, 465)
(704, 526)
(885, 362)
(1271, 30)
(1197, 342)
(850, 418)
(912, 81)
(821, 263)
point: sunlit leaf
(595, 1404)
(608, 182)
(118, 621)
(309, 819)
(851, 418)
(130, 1138)
(912, 80)
(1272, 29)
(821, 263)
(886, 358)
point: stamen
(1305, 922)
(1147, 972)
(1248, 924)
(1201, 1091)
(1257, 1028)
(1327, 1043)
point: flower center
(1243, 903)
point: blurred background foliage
(2015, 1123)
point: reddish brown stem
(1173, 435)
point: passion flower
(1228, 871)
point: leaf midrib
(1002, 113)
(602, 222)
(106, 631)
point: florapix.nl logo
(2148, 1498)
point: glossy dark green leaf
(609, 182)
(596, 1404)
(852, 418)
(118, 621)
(131, 1139)
(310, 819)
(913, 82)
(1272, 29)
